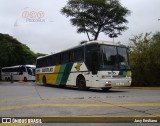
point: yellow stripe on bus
(52, 77)
(56, 70)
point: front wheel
(81, 83)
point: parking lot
(31, 100)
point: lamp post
(113, 35)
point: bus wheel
(25, 79)
(44, 80)
(106, 89)
(81, 83)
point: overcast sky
(56, 33)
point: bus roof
(87, 43)
(19, 66)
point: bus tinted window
(90, 49)
(39, 63)
(123, 57)
(57, 59)
(109, 57)
(77, 54)
(22, 69)
(49, 61)
(65, 57)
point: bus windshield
(31, 71)
(113, 58)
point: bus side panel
(79, 69)
(55, 73)
(64, 74)
(60, 74)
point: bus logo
(78, 66)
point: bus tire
(81, 83)
(44, 80)
(25, 79)
(106, 89)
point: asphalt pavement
(129, 105)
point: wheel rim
(82, 83)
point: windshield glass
(122, 57)
(31, 71)
(109, 57)
(113, 57)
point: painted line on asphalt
(141, 88)
(82, 105)
(28, 98)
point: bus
(93, 64)
(15, 72)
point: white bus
(97, 64)
(15, 72)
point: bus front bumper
(115, 82)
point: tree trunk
(88, 36)
(97, 33)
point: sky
(48, 31)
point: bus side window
(65, 57)
(72, 56)
(77, 54)
(20, 72)
(57, 59)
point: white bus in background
(15, 72)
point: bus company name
(47, 70)
(111, 73)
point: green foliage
(145, 59)
(40, 54)
(12, 52)
(95, 16)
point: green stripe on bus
(64, 74)
(60, 74)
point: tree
(95, 16)
(12, 52)
(145, 59)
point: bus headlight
(108, 83)
(130, 82)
